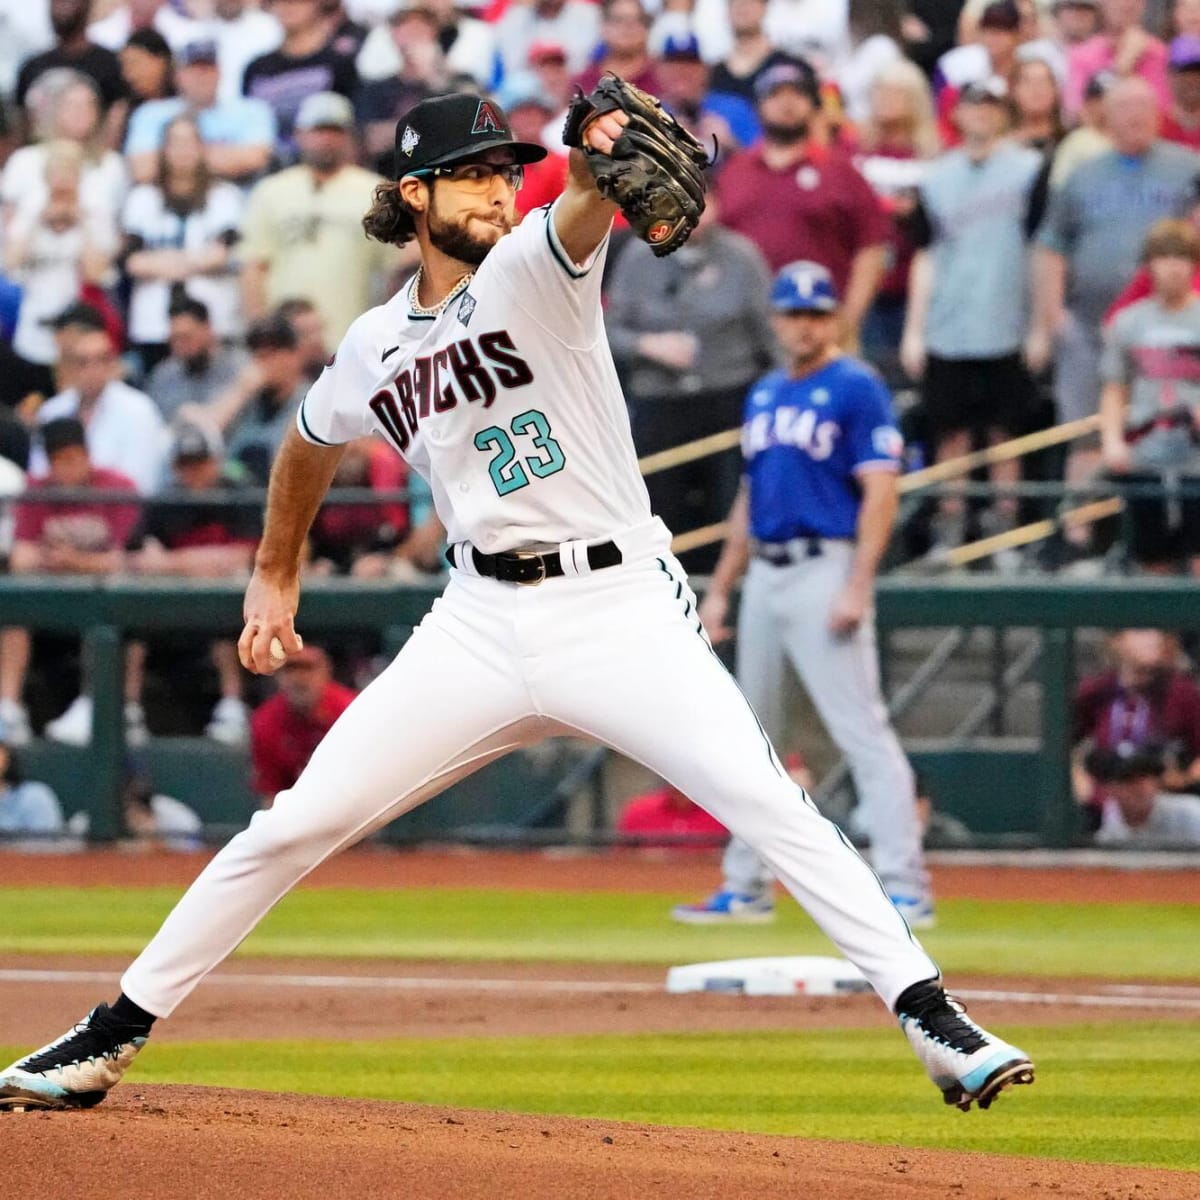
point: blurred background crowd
(1006, 192)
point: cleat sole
(1010, 1076)
(1007, 1076)
(31, 1102)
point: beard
(70, 25)
(455, 242)
(323, 161)
(785, 135)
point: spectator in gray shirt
(690, 334)
(968, 304)
(266, 396)
(1089, 247)
(1150, 405)
(198, 368)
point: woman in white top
(897, 140)
(55, 245)
(874, 44)
(180, 232)
(65, 106)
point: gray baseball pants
(784, 618)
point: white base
(804, 975)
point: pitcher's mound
(188, 1143)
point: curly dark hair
(389, 219)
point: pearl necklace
(433, 310)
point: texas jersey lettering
(520, 442)
(804, 440)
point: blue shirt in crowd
(236, 122)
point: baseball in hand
(278, 654)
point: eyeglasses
(478, 176)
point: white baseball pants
(616, 655)
(784, 617)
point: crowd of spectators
(1006, 192)
(1136, 770)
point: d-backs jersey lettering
(805, 441)
(507, 402)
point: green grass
(1121, 1093)
(1011, 937)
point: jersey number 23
(509, 472)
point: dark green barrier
(104, 611)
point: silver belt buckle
(526, 556)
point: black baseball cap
(992, 90)
(195, 444)
(61, 433)
(77, 314)
(447, 129)
(1125, 762)
(796, 73)
(1002, 14)
(271, 333)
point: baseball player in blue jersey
(816, 509)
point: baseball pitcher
(565, 612)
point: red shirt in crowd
(668, 812)
(282, 740)
(82, 525)
(894, 173)
(819, 208)
(544, 183)
(646, 78)
(1170, 130)
(1167, 712)
(363, 526)
(1138, 288)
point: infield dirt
(168, 1143)
(187, 1143)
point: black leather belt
(530, 568)
(794, 550)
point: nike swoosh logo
(388, 354)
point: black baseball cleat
(77, 1070)
(963, 1059)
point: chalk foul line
(1116, 995)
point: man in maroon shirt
(285, 730)
(624, 35)
(62, 537)
(1144, 700)
(796, 197)
(1181, 122)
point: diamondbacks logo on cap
(466, 307)
(487, 120)
(408, 142)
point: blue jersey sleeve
(872, 435)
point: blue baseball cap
(681, 47)
(804, 287)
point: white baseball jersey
(507, 401)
